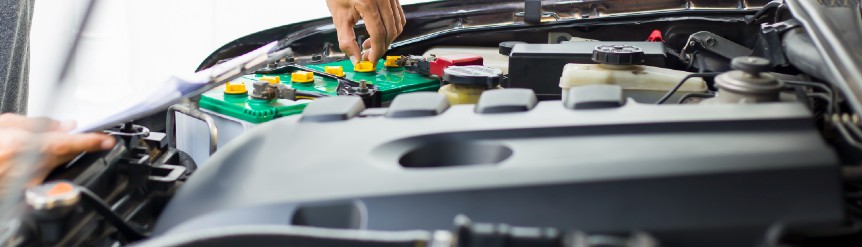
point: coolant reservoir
(619, 65)
(466, 83)
(463, 94)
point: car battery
(236, 112)
(539, 66)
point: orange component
(61, 188)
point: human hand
(55, 144)
(384, 20)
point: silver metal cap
(748, 82)
(53, 195)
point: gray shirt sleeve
(15, 17)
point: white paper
(172, 91)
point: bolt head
(710, 41)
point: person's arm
(384, 20)
(57, 146)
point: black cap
(751, 65)
(473, 75)
(618, 54)
(506, 47)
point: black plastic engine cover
(688, 178)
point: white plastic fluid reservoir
(644, 84)
(618, 65)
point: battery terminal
(392, 62)
(334, 70)
(364, 67)
(235, 88)
(302, 77)
(270, 79)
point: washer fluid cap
(618, 55)
(473, 75)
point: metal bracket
(780, 27)
(174, 173)
(163, 177)
(194, 113)
(715, 44)
(533, 11)
(770, 44)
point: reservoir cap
(473, 75)
(52, 195)
(753, 66)
(618, 54)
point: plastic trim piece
(333, 109)
(506, 101)
(418, 104)
(595, 97)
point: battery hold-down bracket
(370, 94)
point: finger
(11, 144)
(8, 120)
(399, 16)
(374, 24)
(366, 45)
(14, 138)
(345, 18)
(401, 12)
(64, 145)
(347, 41)
(67, 126)
(387, 13)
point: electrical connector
(285, 92)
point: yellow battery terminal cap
(391, 61)
(235, 88)
(334, 70)
(364, 67)
(271, 79)
(302, 77)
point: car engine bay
(508, 124)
